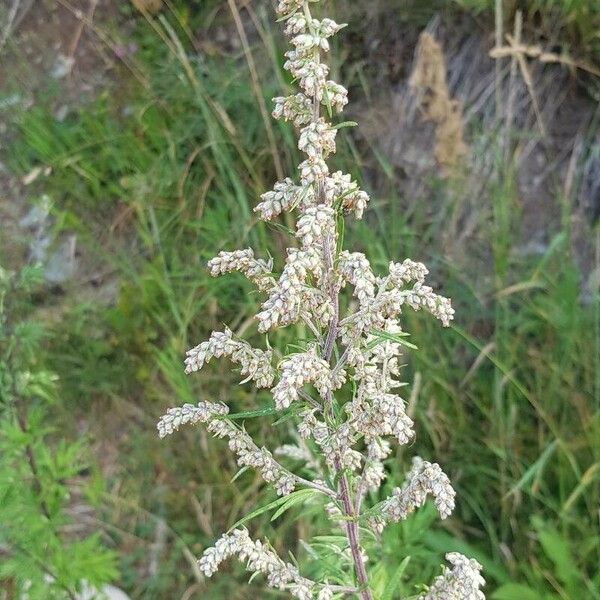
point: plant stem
(330, 287)
(352, 533)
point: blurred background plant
(135, 145)
(46, 552)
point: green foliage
(36, 465)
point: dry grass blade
(80, 26)
(256, 88)
(538, 53)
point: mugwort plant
(340, 387)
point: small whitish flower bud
(402, 273)
(461, 582)
(312, 170)
(189, 414)
(376, 524)
(374, 473)
(284, 196)
(423, 479)
(307, 41)
(351, 460)
(374, 413)
(326, 593)
(289, 7)
(337, 444)
(255, 270)
(328, 27)
(307, 424)
(317, 139)
(423, 297)
(295, 24)
(250, 455)
(311, 74)
(335, 95)
(255, 363)
(316, 225)
(297, 371)
(297, 108)
(318, 305)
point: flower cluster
(339, 385)
(316, 225)
(298, 370)
(422, 480)
(284, 196)
(258, 558)
(189, 414)
(255, 363)
(461, 582)
(291, 297)
(317, 139)
(257, 271)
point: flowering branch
(343, 430)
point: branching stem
(332, 290)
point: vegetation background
(136, 140)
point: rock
(61, 264)
(107, 592)
(37, 217)
(62, 66)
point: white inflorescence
(285, 196)
(189, 414)
(356, 269)
(460, 582)
(316, 225)
(422, 480)
(258, 558)
(257, 271)
(250, 455)
(374, 473)
(296, 372)
(297, 108)
(354, 346)
(317, 139)
(326, 593)
(255, 363)
(291, 294)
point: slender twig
(328, 250)
(499, 22)
(80, 25)
(256, 87)
(9, 23)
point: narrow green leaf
(345, 124)
(250, 414)
(239, 473)
(395, 580)
(392, 337)
(271, 506)
(298, 497)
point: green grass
(507, 401)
